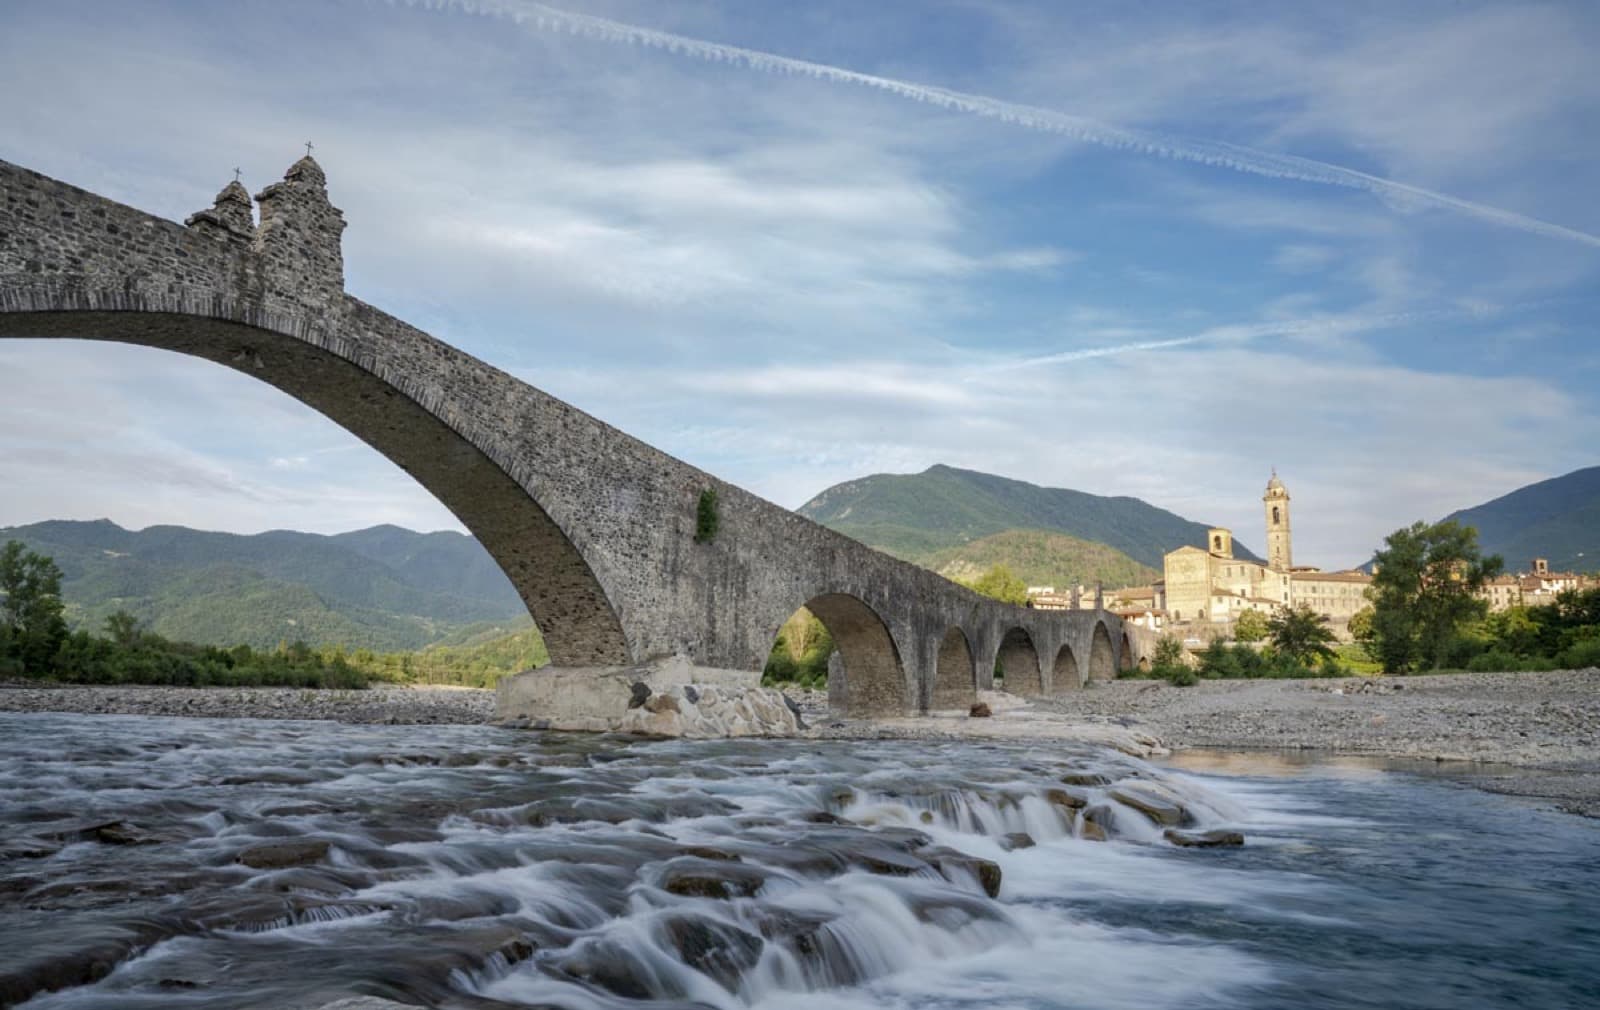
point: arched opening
(562, 592)
(864, 674)
(1066, 676)
(1126, 663)
(1144, 664)
(1102, 658)
(1018, 663)
(955, 679)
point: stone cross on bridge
(596, 529)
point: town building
(1205, 589)
(1536, 587)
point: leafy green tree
(1300, 634)
(1250, 627)
(998, 583)
(1170, 663)
(1425, 591)
(1361, 625)
(123, 628)
(31, 611)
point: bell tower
(1280, 555)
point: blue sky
(1147, 249)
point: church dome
(1274, 485)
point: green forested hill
(384, 589)
(1557, 519)
(918, 516)
(1041, 558)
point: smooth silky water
(473, 867)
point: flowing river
(193, 863)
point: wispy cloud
(1203, 151)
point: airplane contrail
(1217, 153)
(1243, 332)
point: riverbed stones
(1016, 840)
(1214, 839)
(1155, 801)
(279, 855)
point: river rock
(1067, 798)
(278, 855)
(1085, 779)
(1016, 840)
(720, 951)
(690, 877)
(980, 710)
(1156, 802)
(1215, 839)
(952, 865)
(1090, 827)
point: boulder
(1156, 802)
(1016, 840)
(952, 865)
(980, 710)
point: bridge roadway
(595, 528)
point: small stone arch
(1066, 676)
(955, 678)
(1020, 661)
(1102, 657)
(866, 676)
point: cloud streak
(1216, 153)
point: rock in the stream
(980, 710)
(278, 855)
(1216, 839)
(1156, 802)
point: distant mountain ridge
(1558, 519)
(921, 517)
(383, 588)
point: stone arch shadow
(866, 675)
(417, 429)
(1102, 654)
(1018, 657)
(955, 675)
(1065, 676)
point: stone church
(1205, 589)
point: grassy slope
(1040, 557)
(916, 516)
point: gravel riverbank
(1528, 734)
(378, 705)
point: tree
(998, 583)
(1250, 627)
(1361, 625)
(802, 632)
(1424, 591)
(31, 611)
(123, 628)
(1301, 634)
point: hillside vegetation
(384, 588)
(918, 516)
(1557, 519)
(1041, 558)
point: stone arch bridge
(595, 528)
